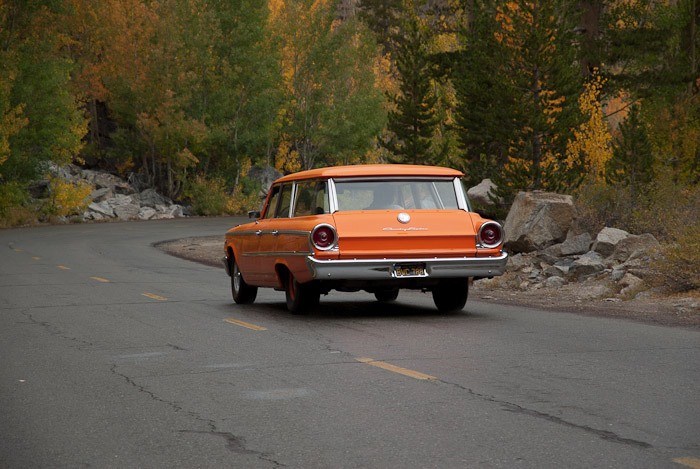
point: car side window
(311, 199)
(305, 199)
(285, 201)
(272, 203)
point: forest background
(596, 98)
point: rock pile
(548, 249)
(115, 198)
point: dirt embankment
(591, 297)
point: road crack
(515, 408)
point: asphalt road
(114, 354)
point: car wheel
(451, 295)
(242, 292)
(385, 296)
(300, 297)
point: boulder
(106, 180)
(590, 263)
(479, 194)
(146, 213)
(102, 208)
(580, 244)
(537, 220)
(607, 239)
(630, 284)
(634, 246)
(265, 175)
(151, 198)
(98, 195)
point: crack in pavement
(510, 407)
(234, 443)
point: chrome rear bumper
(383, 269)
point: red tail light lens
(490, 234)
(323, 237)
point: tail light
(324, 237)
(490, 235)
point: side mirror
(254, 214)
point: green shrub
(15, 207)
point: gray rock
(589, 263)
(550, 255)
(633, 247)
(127, 211)
(537, 220)
(555, 281)
(518, 262)
(105, 180)
(265, 175)
(98, 195)
(580, 244)
(607, 239)
(151, 198)
(617, 273)
(146, 213)
(630, 284)
(103, 208)
(479, 194)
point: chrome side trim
(268, 232)
(277, 253)
(382, 269)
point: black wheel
(300, 297)
(242, 293)
(451, 295)
(385, 296)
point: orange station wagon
(378, 228)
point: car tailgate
(429, 233)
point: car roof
(372, 170)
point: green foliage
(517, 85)
(412, 124)
(632, 159)
(15, 208)
(208, 196)
(38, 110)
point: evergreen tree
(517, 92)
(632, 160)
(412, 123)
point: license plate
(410, 270)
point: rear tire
(242, 293)
(301, 297)
(385, 296)
(451, 295)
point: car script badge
(404, 217)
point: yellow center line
(100, 279)
(690, 462)
(155, 297)
(245, 324)
(18, 250)
(63, 267)
(395, 369)
(36, 258)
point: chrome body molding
(382, 269)
(268, 232)
(277, 253)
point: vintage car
(378, 228)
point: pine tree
(517, 92)
(632, 160)
(412, 123)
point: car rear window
(419, 194)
